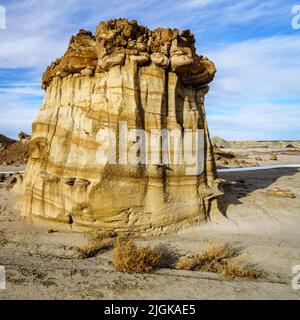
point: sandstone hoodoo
(123, 76)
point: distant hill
(218, 142)
(5, 140)
(13, 151)
(221, 143)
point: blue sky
(256, 92)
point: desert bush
(131, 259)
(216, 258)
(234, 269)
(186, 263)
(98, 241)
(215, 252)
(101, 235)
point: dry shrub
(131, 259)
(101, 235)
(186, 263)
(233, 269)
(215, 252)
(98, 241)
(216, 258)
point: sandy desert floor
(264, 229)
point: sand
(250, 156)
(264, 230)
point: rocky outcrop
(126, 73)
(274, 144)
(16, 152)
(5, 141)
(23, 136)
(80, 57)
(120, 41)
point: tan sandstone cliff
(146, 79)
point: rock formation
(125, 73)
(15, 152)
(23, 136)
(5, 141)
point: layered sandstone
(146, 79)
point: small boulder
(11, 182)
(289, 146)
(2, 177)
(273, 157)
(23, 136)
(52, 231)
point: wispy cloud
(186, 5)
(256, 90)
(265, 68)
(17, 114)
(38, 31)
(23, 90)
(258, 121)
(252, 42)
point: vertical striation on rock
(125, 74)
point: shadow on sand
(245, 182)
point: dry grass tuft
(98, 241)
(215, 252)
(101, 235)
(186, 263)
(234, 269)
(131, 259)
(216, 258)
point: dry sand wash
(264, 229)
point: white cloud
(242, 12)
(259, 121)
(259, 68)
(17, 117)
(251, 76)
(23, 90)
(256, 89)
(188, 4)
(18, 108)
(38, 31)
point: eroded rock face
(124, 74)
(118, 41)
